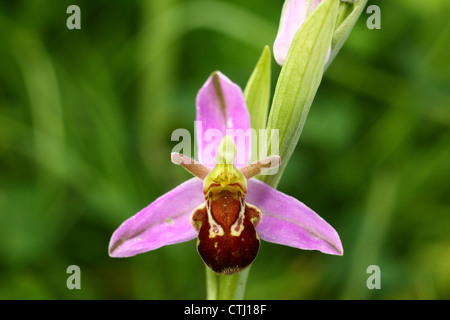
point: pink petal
(293, 15)
(221, 110)
(165, 221)
(289, 222)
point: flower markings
(223, 206)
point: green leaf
(257, 91)
(298, 82)
(347, 16)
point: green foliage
(298, 82)
(86, 118)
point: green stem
(225, 287)
(211, 284)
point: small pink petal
(165, 221)
(293, 15)
(221, 110)
(289, 222)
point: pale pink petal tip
(289, 222)
(165, 221)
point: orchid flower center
(227, 239)
(225, 174)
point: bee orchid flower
(223, 206)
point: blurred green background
(86, 118)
